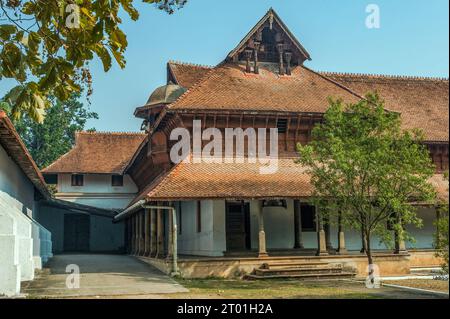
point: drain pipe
(142, 204)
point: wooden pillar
(262, 252)
(170, 235)
(341, 237)
(136, 234)
(248, 56)
(153, 237)
(130, 235)
(147, 232)
(298, 242)
(255, 57)
(280, 47)
(139, 232)
(159, 234)
(321, 239)
(288, 63)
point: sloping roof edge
(53, 202)
(14, 146)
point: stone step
(340, 275)
(297, 271)
(426, 270)
(299, 265)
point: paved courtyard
(100, 275)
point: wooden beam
(288, 125)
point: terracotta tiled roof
(441, 186)
(231, 181)
(229, 87)
(186, 74)
(422, 102)
(14, 146)
(189, 181)
(97, 152)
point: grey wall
(104, 235)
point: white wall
(16, 184)
(97, 191)
(279, 228)
(211, 240)
(23, 247)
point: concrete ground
(100, 275)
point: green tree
(46, 46)
(441, 236)
(56, 135)
(366, 168)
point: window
(77, 180)
(308, 213)
(51, 179)
(282, 125)
(199, 216)
(117, 180)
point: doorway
(238, 226)
(76, 232)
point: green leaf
(6, 30)
(128, 7)
(104, 55)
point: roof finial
(270, 18)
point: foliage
(46, 46)
(56, 135)
(365, 166)
(441, 236)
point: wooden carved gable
(270, 41)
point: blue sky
(413, 40)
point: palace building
(227, 219)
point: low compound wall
(424, 258)
(229, 267)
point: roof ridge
(109, 133)
(334, 82)
(205, 66)
(384, 76)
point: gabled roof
(16, 149)
(185, 74)
(272, 17)
(228, 87)
(422, 102)
(98, 153)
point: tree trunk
(370, 267)
(368, 248)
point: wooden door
(76, 232)
(237, 226)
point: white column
(262, 235)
